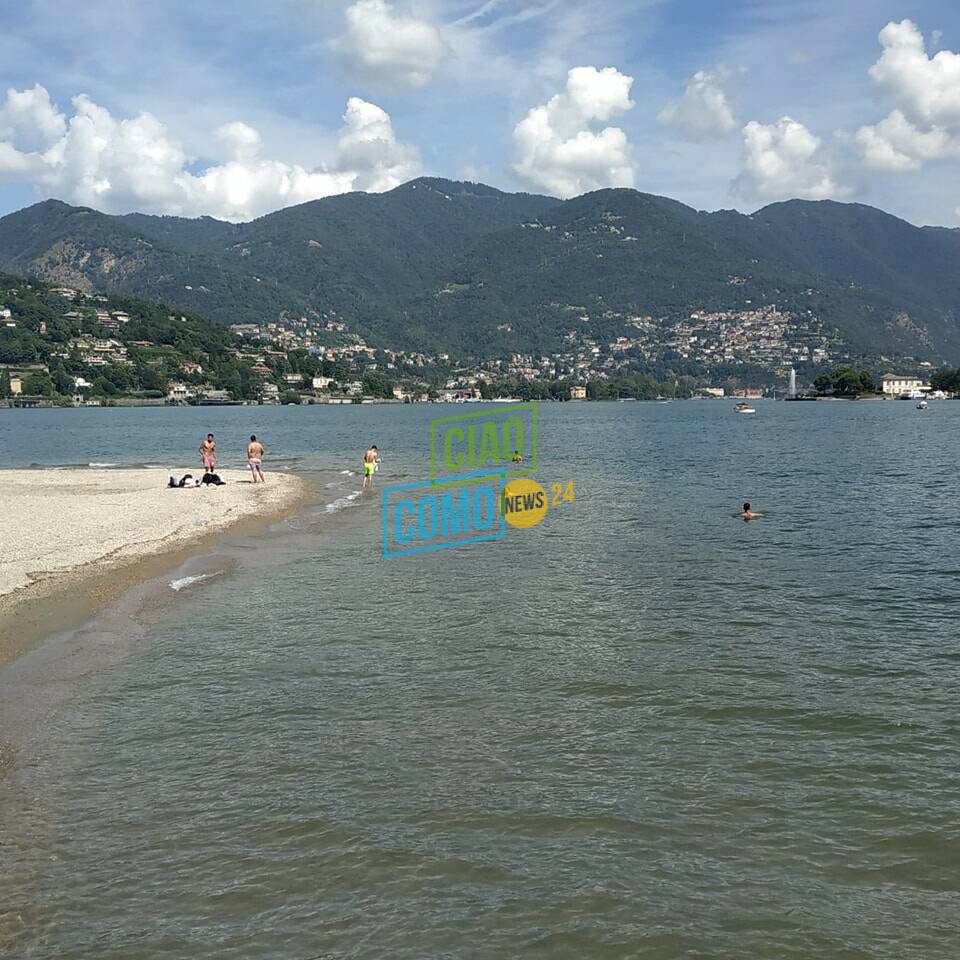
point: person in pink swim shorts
(255, 453)
(208, 453)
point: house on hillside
(245, 329)
(578, 392)
(178, 392)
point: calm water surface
(643, 728)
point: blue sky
(237, 109)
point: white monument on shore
(792, 391)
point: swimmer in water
(749, 514)
(517, 457)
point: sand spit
(53, 521)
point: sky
(237, 109)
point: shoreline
(71, 593)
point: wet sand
(74, 540)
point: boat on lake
(743, 407)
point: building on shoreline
(894, 384)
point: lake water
(643, 728)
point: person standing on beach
(370, 460)
(255, 454)
(208, 454)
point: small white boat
(744, 408)
(922, 405)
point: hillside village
(61, 345)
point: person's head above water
(209, 436)
(253, 438)
(746, 508)
(373, 446)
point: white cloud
(784, 160)
(390, 47)
(239, 140)
(704, 112)
(555, 148)
(925, 93)
(895, 144)
(926, 89)
(369, 147)
(134, 164)
(29, 118)
(13, 162)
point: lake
(643, 728)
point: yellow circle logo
(524, 502)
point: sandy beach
(55, 521)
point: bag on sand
(212, 478)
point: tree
(151, 378)
(5, 390)
(232, 383)
(946, 380)
(375, 384)
(845, 382)
(62, 381)
(102, 387)
(38, 384)
(290, 396)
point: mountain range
(465, 268)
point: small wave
(348, 473)
(103, 466)
(341, 502)
(184, 582)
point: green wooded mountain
(469, 269)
